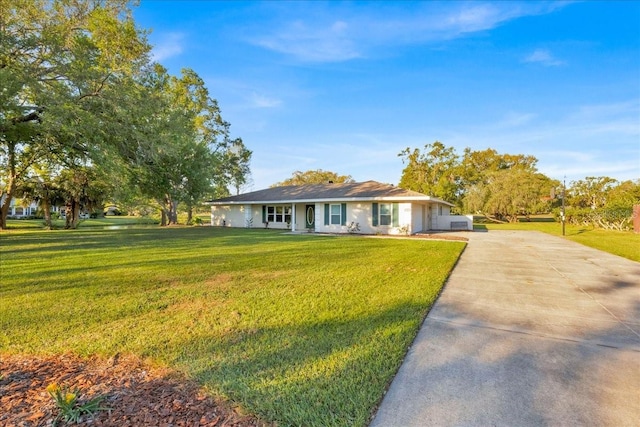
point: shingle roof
(368, 190)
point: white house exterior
(19, 210)
(366, 207)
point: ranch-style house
(363, 207)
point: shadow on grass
(316, 373)
(536, 219)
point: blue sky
(345, 86)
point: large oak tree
(63, 64)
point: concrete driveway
(530, 330)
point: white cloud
(544, 57)
(588, 140)
(359, 30)
(168, 45)
(261, 101)
(326, 43)
(513, 119)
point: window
(280, 213)
(387, 214)
(336, 214)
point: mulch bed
(136, 393)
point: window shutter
(264, 214)
(395, 215)
(374, 214)
(327, 218)
(343, 212)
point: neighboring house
(18, 210)
(337, 208)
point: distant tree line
(602, 202)
(503, 187)
(317, 176)
(87, 117)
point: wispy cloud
(168, 45)
(316, 43)
(544, 57)
(513, 119)
(341, 34)
(589, 140)
(257, 100)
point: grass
(623, 243)
(110, 221)
(299, 330)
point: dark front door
(310, 216)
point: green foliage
(300, 330)
(317, 176)
(66, 64)
(616, 218)
(70, 405)
(602, 202)
(434, 172)
(624, 195)
(590, 192)
(507, 193)
(191, 153)
(500, 185)
(79, 92)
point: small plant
(266, 224)
(71, 410)
(354, 227)
(249, 223)
(404, 229)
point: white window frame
(389, 215)
(279, 214)
(333, 215)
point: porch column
(293, 217)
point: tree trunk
(189, 214)
(46, 210)
(76, 215)
(173, 213)
(493, 219)
(68, 213)
(71, 214)
(5, 202)
(4, 211)
(163, 220)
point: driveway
(530, 330)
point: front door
(310, 216)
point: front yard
(298, 330)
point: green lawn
(109, 221)
(622, 243)
(297, 329)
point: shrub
(609, 219)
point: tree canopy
(317, 176)
(81, 94)
(502, 186)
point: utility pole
(562, 214)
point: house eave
(425, 199)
